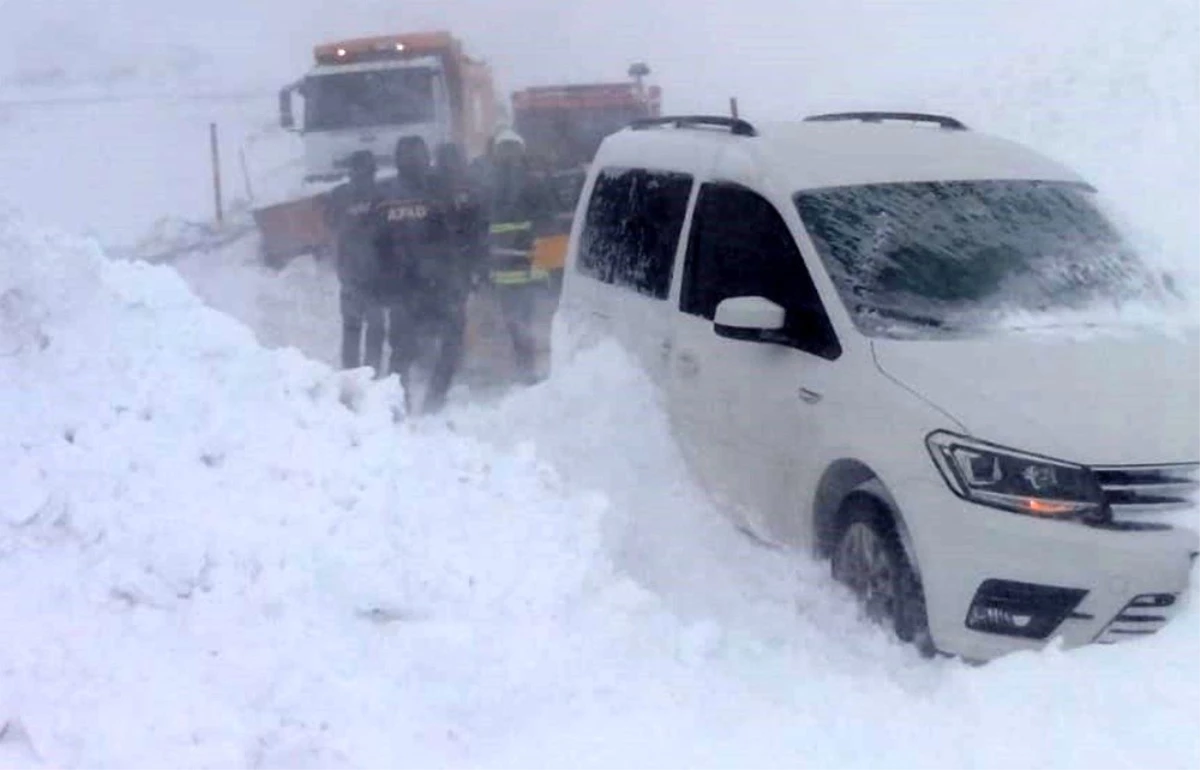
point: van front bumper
(997, 582)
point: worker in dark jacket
(447, 285)
(518, 209)
(351, 216)
(413, 242)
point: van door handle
(810, 396)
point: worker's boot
(352, 331)
(435, 401)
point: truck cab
(365, 94)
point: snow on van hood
(1125, 397)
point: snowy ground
(228, 556)
(216, 551)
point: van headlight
(1015, 481)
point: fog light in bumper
(1025, 610)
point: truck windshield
(366, 99)
(960, 255)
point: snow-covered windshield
(368, 98)
(957, 256)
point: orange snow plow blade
(292, 228)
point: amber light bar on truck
(384, 48)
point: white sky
(1111, 87)
(769, 52)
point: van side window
(741, 246)
(632, 228)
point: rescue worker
(412, 242)
(351, 216)
(518, 209)
(447, 285)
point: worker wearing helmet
(351, 217)
(518, 208)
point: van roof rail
(736, 126)
(878, 117)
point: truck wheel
(870, 561)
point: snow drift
(160, 470)
(216, 555)
(212, 554)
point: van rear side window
(632, 228)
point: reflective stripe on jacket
(506, 228)
(518, 277)
(512, 254)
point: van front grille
(1136, 491)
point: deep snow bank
(216, 555)
(187, 521)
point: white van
(866, 329)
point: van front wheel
(870, 561)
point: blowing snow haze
(1106, 86)
(218, 549)
(823, 50)
(527, 40)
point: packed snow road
(217, 551)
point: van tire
(869, 559)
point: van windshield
(959, 255)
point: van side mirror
(748, 318)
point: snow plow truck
(365, 94)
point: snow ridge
(162, 474)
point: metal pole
(216, 170)
(246, 174)
(733, 110)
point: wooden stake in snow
(246, 174)
(216, 169)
